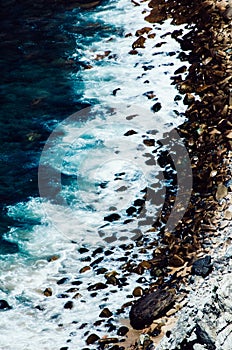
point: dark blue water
(37, 72)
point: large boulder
(150, 307)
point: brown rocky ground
(207, 91)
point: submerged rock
(105, 313)
(4, 305)
(92, 338)
(47, 292)
(68, 305)
(156, 107)
(112, 217)
(139, 43)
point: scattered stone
(72, 290)
(133, 52)
(4, 305)
(105, 341)
(112, 217)
(130, 132)
(76, 283)
(156, 107)
(63, 280)
(105, 313)
(62, 296)
(138, 292)
(145, 341)
(139, 43)
(68, 305)
(151, 36)
(176, 261)
(83, 250)
(84, 269)
(180, 70)
(77, 296)
(92, 338)
(97, 261)
(150, 307)
(149, 94)
(149, 142)
(131, 210)
(115, 91)
(101, 270)
(202, 267)
(97, 286)
(47, 292)
(123, 330)
(53, 258)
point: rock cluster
(207, 93)
(206, 320)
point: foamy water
(98, 171)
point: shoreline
(66, 278)
(207, 134)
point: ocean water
(76, 124)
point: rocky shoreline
(176, 287)
(205, 231)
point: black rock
(83, 250)
(97, 286)
(103, 184)
(115, 91)
(112, 217)
(62, 296)
(4, 305)
(97, 251)
(139, 202)
(123, 330)
(150, 307)
(131, 210)
(62, 280)
(68, 305)
(76, 283)
(156, 107)
(92, 338)
(130, 132)
(202, 267)
(97, 261)
(204, 338)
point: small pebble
(63, 280)
(47, 292)
(105, 313)
(4, 305)
(97, 286)
(123, 330)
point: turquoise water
(90, 165)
